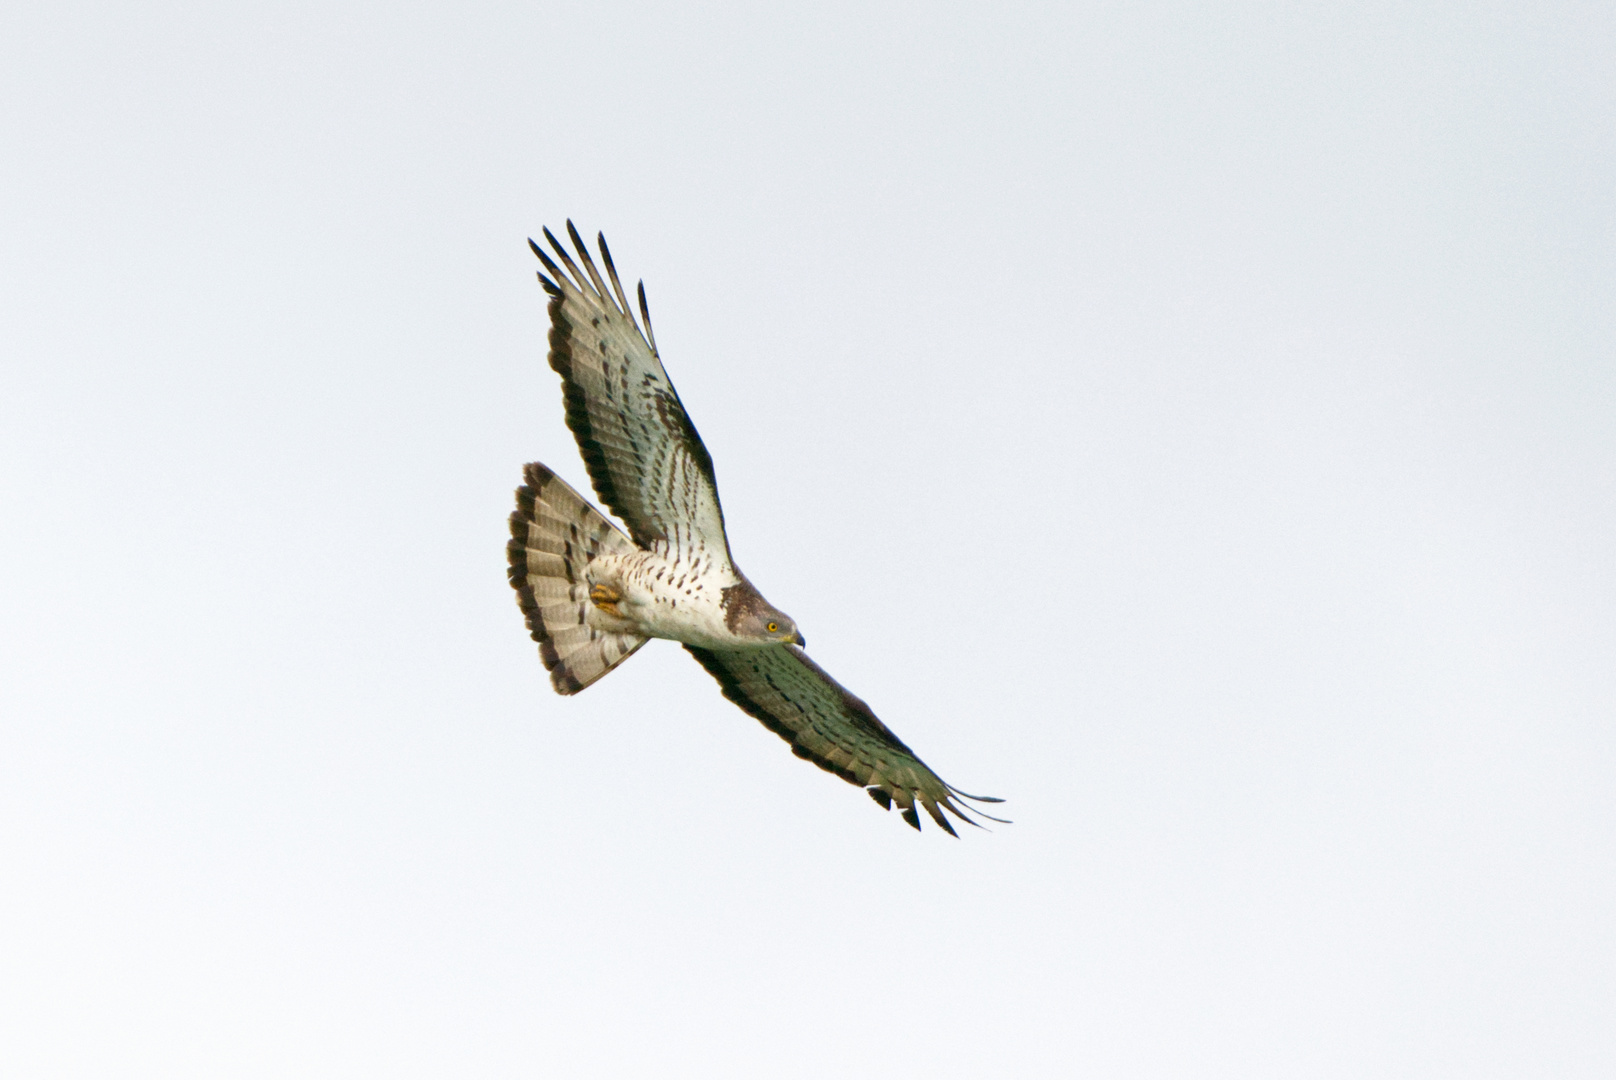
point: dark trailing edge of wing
(576, 401)
(860, 716)
(734, 692)
(671, 412)
(675, 417)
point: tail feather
(554, 535)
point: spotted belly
(646, 593)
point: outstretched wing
(830, 727)
(643, 454)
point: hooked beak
(798, 640)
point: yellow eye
(773, 627)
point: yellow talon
(605, 597)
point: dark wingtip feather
(963, 816)
(611, 272)
(977, 809)
(912, 818)
(937, 816)
(645, 313)
(578, 277)
(549, 264)
(589, 263)
(882, 797)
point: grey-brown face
(750, 616)
(768, 626)
(784, 630)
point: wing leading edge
(644, 457)
(797, 700)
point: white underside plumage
(680, 599)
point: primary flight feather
(593, 595)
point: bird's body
(687, 600)
(593, 595)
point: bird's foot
(605, 597)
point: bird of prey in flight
(593, 594)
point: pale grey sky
(1193, 423)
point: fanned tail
(554, 535)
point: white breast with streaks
(679, 597)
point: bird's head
(753, 618)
